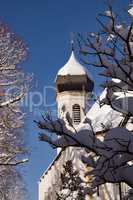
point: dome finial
(131, 3)
(72, 40)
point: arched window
(76, 114)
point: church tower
(74, 88)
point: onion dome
(74, 77)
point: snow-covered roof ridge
(73, 67)
(99, 116)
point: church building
(74, 87)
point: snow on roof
(100, 116)
(73, 67)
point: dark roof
(74, 83)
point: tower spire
(131, 3)
(72, 40)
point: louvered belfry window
(76, 114)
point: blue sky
(45, 26)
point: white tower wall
(68, 99)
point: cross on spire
(72, 40)
(131, 3)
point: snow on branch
(14, 85)
(14, 163)
(113, 153)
